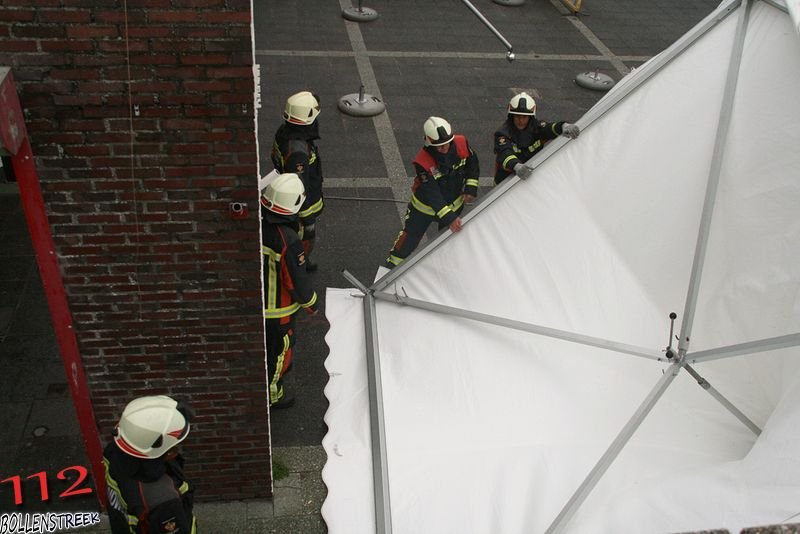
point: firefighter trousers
(280, 343)
(415, 223)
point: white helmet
(284, 195)
(437, 132)
(301, 108)
(522, 104)
(150, 426)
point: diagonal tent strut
(519, 325)
(614, 449)
(761, 345)
(703, 383)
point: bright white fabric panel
(492, 430)
(349, 506)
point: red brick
(18, 46)
(173, 45)
(183, 16)
(149, 32)
(67, 45)
(86, 31)
(229, 72)
(207, 111)
(38, 31)
(200, 32)
(65, 15)
(16, 15)
(207, 86)
(122, 46)
(228, 17)
(154, 59)
(78, 100)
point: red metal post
(15, 140)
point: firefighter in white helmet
(522, 135)
(447, 173)
(287, 284)
(147, 489)
(294, 150)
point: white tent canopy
(512, 378)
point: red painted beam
(33, 203)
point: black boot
(287, 401)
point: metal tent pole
(761, 345)
(519, 325)
(703, 383)
(613, 450)
(485, 21)
(714, 173)
(380, 466)
(601, 108)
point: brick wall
(142, 123)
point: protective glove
(570, 130)
(522, 171)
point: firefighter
(294, 150)
(522, 135)
(147, 490)
(447, 173)
(287, 285)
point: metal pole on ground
(510, 49)
(361, 104)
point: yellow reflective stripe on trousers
(266, 251)
(316, 207)
(395, 260)
(272, 283)
(419, 206)
(184, 488)
(275, 393)
(277, 313)
(194, 525)
(473, 182)
(311, 301)
(427, 210)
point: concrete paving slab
(49, 382)
(56, 416)
(13, 417)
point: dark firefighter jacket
(287, 285)
(443, 178)
(294, 151)
(147, 496)
(512, 146)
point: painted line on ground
(383, 126)
(592, 38)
